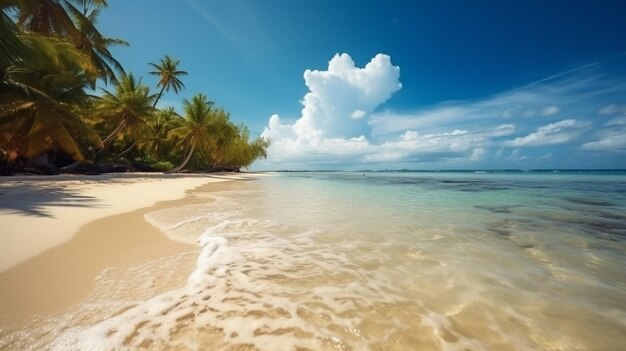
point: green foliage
(12, 48)
(95, 45)
(155, 142)
(195, 129)
(42, 101)
(124, 113)
(64, 19)
(168, 73)
(162, 166)
(242, 152)
(51, 53)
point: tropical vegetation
(67, 104)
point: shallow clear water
(391, 261)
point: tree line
(52, 60)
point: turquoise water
(394, 261)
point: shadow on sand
(28, 197)
(35, 200)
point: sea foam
(398, 262)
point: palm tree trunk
(109, 140)
(106, 143)
(177, 169)
(127, 150)
(218, 159)
(159, 96)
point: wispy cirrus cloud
(560, 132)
(612, 137)
(612, 109)
(580, 95)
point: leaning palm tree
(169, 75)
(40, 107)
(62, 19)
(155, 142)
(46, 17)
(12, 48)
(195, 131)
(125, 112)
(95, 45)
(49, 17)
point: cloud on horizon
(340, 126)
(554, 133)
(611, 137)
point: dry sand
(59, 233)
(38, 213)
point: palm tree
(241, 152)
(95, 45)
(40, 108)
(49, 17)
(12, 49)
(168, 76)
(224, 133)
(125, 111)
(155, 142)
(60, 18)
(46, 17)
(195, 131)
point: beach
(60, 232)
(337, 261)
(312, 176)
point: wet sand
(57, 280)
(63, 275)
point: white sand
(38, 213)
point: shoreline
(329, 262)
(41, 212)
(62, 276)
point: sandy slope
(38, 213)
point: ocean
(388, 261)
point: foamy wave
(189, 221)
(155, 320)
(320, 268)
(264, 290)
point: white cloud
(612, 109)
(333, 127)
(457, 141)
(387, 122)
(340, 125)
(477, 154)
(615, 142)
(550, 110)
(577, 94)
(341, 96)
(610, 138)
(617, 121)
(358, 114)
(551, 134)
(333, 115)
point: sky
(382, 84)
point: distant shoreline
(547, 170)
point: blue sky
(399, 84)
